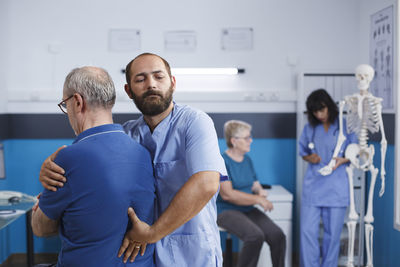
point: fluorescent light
(206, 71)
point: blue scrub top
(331, 190)
(184, 143)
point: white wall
(320, 35)
(3, 54)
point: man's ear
(79, 104)
(128, 91)
(173, 82)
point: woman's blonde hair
(233, 128)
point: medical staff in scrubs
(323, 197)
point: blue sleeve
(202, 150)
(228, 171)
(223, 178)
(304, 150)
(53, 204)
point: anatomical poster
(381, 56)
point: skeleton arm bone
(341, 138)
(383, 149)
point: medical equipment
(364, 114)
(311, 144)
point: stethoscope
(311, 144)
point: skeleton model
(364, 114)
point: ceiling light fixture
(207, 71)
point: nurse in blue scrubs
(323, 197)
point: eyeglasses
(247, 138)
(63, 104)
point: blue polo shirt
(106, 172)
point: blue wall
(386, 238)
(23, 159)
(274, 161)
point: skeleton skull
(364, 75)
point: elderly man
(187, 165)
(106, 172)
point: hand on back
(51, 175)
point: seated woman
(237, 197)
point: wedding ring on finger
(137, 246)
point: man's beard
(156, 106)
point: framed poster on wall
(381, 56)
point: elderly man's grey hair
(94, 84)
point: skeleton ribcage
(369, 120)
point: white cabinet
(282, 216)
